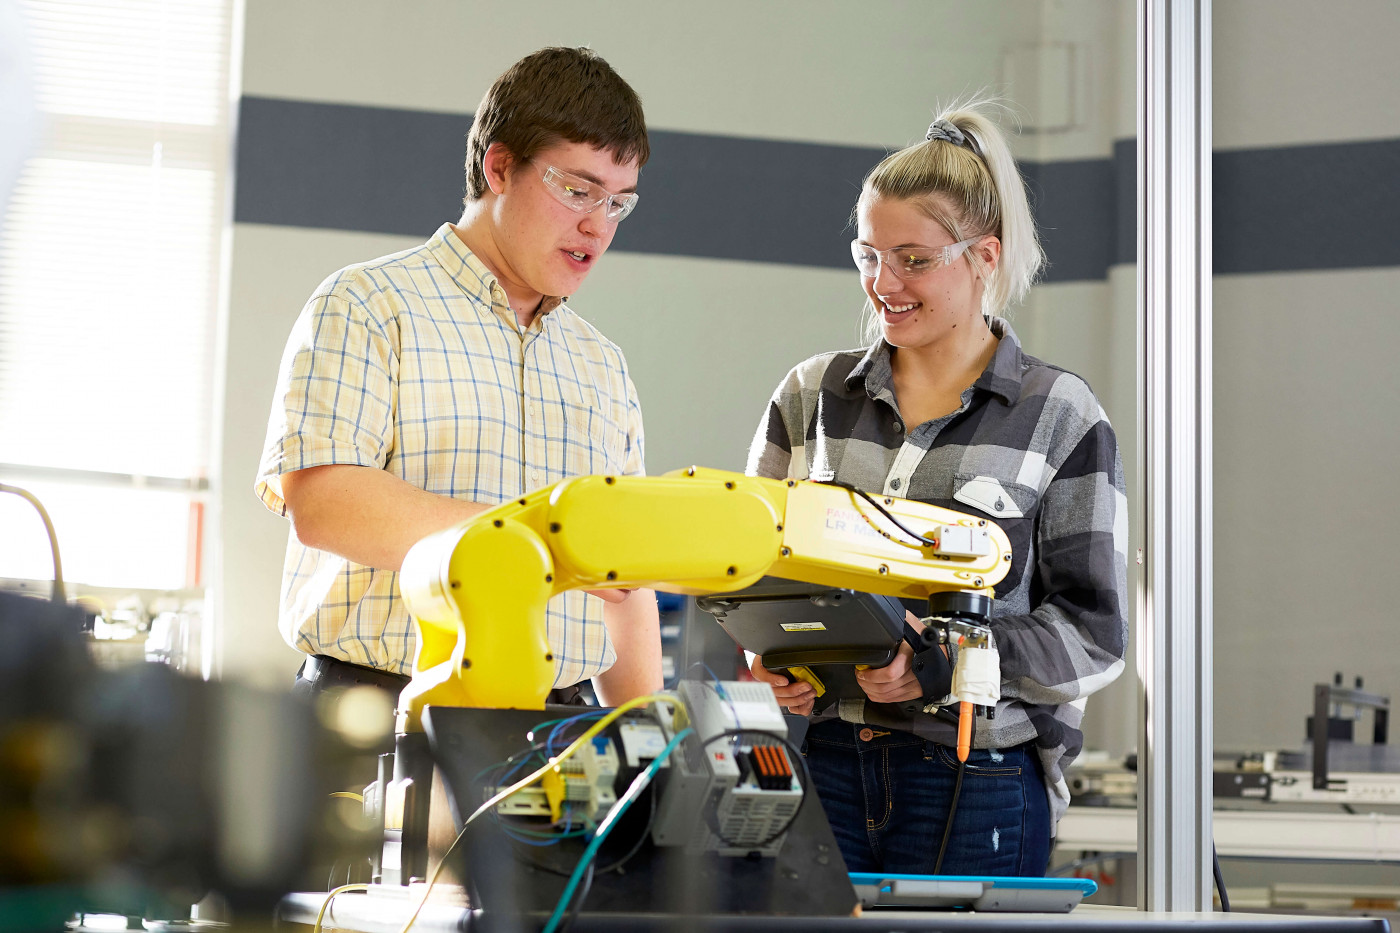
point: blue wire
(565, 723)
(718, 688)
(525, 756)
(536, 842)
(505, 778)
(719, 692)
(545, 839)
(607, 826)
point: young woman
(943, 406)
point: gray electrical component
(728, 794)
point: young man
(422, 388)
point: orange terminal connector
(965, 715)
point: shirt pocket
(593, 441)
(1012, 506)
(994, 496)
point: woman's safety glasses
(907, 262)
(582, 195)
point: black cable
(953, 804)
(794, 755)
(577, 907)
(1219, 879)
(952, 812)
(641, 838)
(923, 542)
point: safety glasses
(582, 195)
(907, 262)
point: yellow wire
(529, 779)
(89, 597)
(321, 914)
(346, 793)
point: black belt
(325, 671)
(322, 672)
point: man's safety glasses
(582, 195)
(907, 262)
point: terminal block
(583, 783)
(731, 790)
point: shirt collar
(476, 281)
(1002, 377)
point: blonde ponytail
(964, 176)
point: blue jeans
(886, 796)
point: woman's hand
(893, 683)
(796, 696)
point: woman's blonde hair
(964, 177)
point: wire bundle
(581, 878)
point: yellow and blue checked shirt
(414, 364)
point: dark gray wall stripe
(1125, 221)
(395, 171)
(1074, 204)
(1334, 206)
(725, 197)
(1287, 209)
(371, 169)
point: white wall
(1289, 72)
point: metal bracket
(1324, 695)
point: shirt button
(866, 735)
(898, 428)
(534, 474)
(894, 483)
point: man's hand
(895, 681)
(796, 696)
(611, 596)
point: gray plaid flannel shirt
(1030, 448)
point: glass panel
(1307, 266)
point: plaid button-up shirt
(1031, 448)
(414, 364)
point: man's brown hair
(556, 94)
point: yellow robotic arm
(477, 591)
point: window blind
(109, 279)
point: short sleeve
(335, 395)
